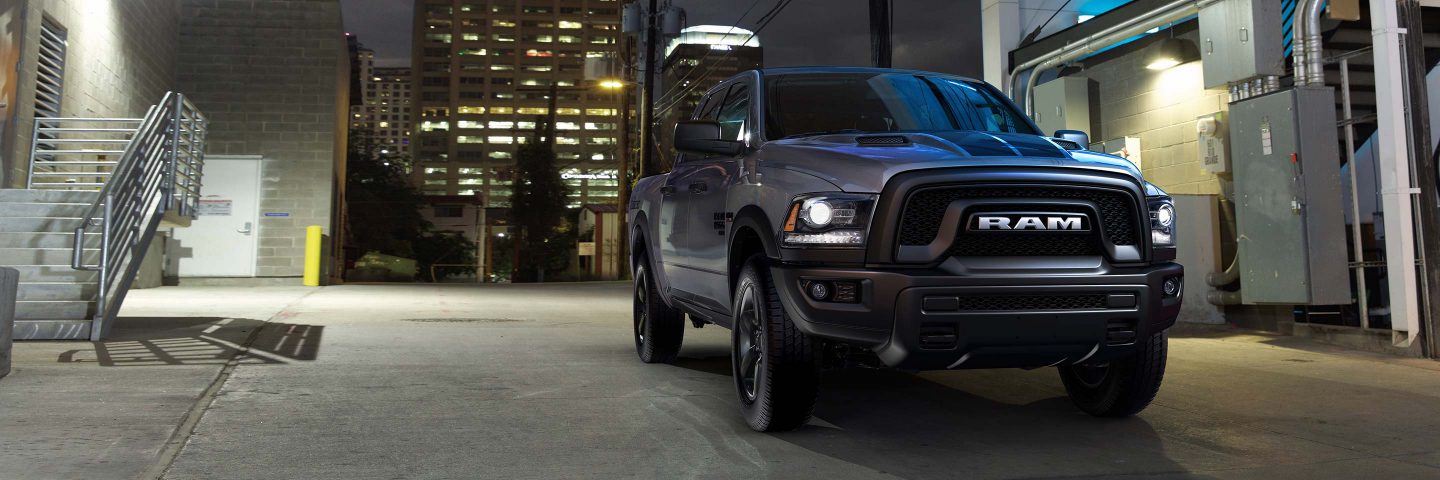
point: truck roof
(817, 69)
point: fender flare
(638, 237)
(754, 218)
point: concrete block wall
(1160, 108)
(121, 59)
(273, 76)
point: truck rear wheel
(659, 328)
(775, 366)
(1122, 388)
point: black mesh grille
(1027, 244)
(920, 222)
(882, 140)
(1091, 301)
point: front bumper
(924, 319)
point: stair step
(16, 209)
(52, 329)
(59, 257)
(46, 239)
(69, 186)
(46, 196)
(52, 310)
(34, 273)
(39, 224)
(38, 291)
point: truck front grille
(991, 303)
(924, 210)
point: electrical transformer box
(1064, 104)
(1290, 224)
(1240, 39)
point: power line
(733, 26)
(710, 68)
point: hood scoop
(882, 141)
(982, 144)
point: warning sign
(214, 207)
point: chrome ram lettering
(1030, 222)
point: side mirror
(1074, 136)
(702, 137)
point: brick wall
(273, 77)
(120, 60)
(1160, 108)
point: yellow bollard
(312, 256)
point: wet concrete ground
(541, 381)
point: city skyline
(936, 35)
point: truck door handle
(245, 229)
(667, 190)
(699, 187)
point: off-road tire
(778, 394)
(1127, 386)
(658, 328)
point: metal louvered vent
(924, 210)
(50, 71)
(882, 140)
(1091, 301)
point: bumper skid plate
(925, 321)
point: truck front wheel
(1122, 388)
(659, 328)
(775, 366)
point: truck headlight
(1162, 222)
(833, 220)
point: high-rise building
(483, 72)
(384, 106)
(698, 59)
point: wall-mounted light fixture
(1170, 52)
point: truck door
(676, 221)
(709, 187)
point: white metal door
(221, 242)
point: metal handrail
(56, 151)
(151, 178)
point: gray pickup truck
(832, 216)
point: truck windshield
(811, 104)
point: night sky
(937, 35)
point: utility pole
(880, 24)
(622, 174)
(1428, 215)
(647, 91)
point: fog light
(1171, 287)
(819, 291)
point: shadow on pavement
(162, 341)
(905, 425)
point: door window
(734, 112)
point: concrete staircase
(37, 231)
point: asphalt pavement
(541, 381)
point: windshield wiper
(825, 132)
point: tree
(537, 206)
(383, 212)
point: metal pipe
(1355, 231)
(1222, 298)
(1168, 13)
(1314, 45)
(1297, 43)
